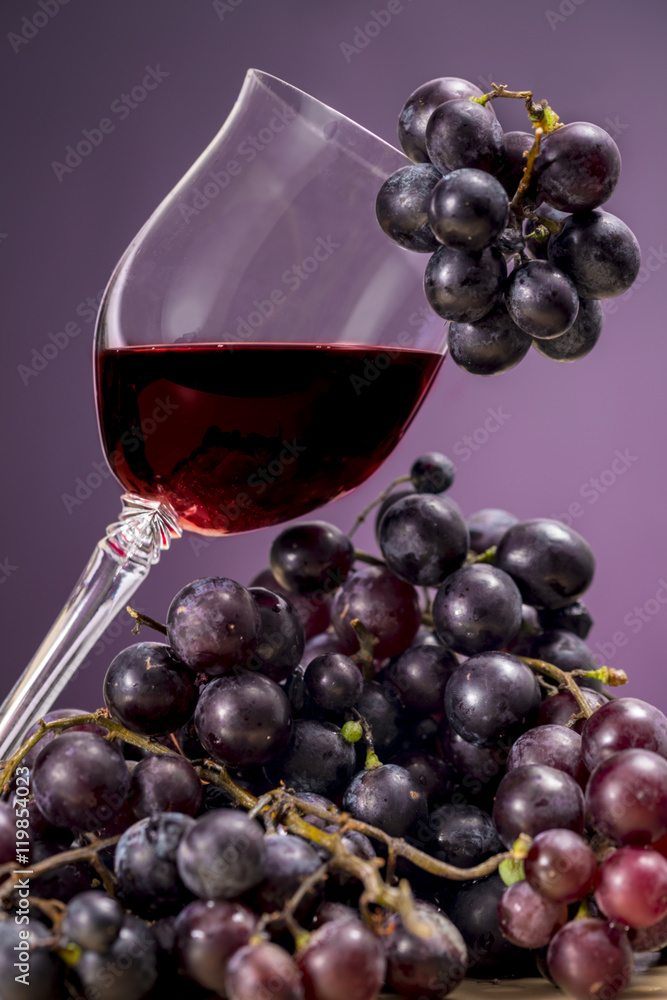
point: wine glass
(260, 349)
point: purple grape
(53, 716)
(474, 911)
(541, 300)
(623, 724)
(461, 133)
(423, 539)
(145, 863)
(313, 611)
(565, 650)
(487, 526)
(598, 252)
(318, 759)
(464, 287)
(420, 676)
(8, 838)
(420, 106)
(263, 970)
(387, 606)
(515, 146)
(559, 708)
(626, 797)
(388, 797)
(581, 337)
(21, 954)
(312, 556)
(342, 959)
(148, 690)
(574, 618)
(434, 776)
(80, 780)
(282, 638)
(402, 207)
(561, 866)
(578, 167)
(93, 920)
(165, 783)
(480, 768)
(461, 835)
(333, 681)
(222, 854)
(432, 472)
(213, 625)
(468, 209)
(477, 609)
(388, 502)
(208, 934)
(551, 563)
(591, 960)
(490, 345)
(427, 967)
(128, 971)
(63, 882)
(631, 887)
(534, 798)
(529, 920)
(554, 746)
(289, 860)
(539, 248)
(244, 721)
(491, 699)
(381, 707)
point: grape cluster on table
(427, 722)
(460, 202)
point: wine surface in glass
(240, 436)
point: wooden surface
(651, 983)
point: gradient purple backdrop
(561, 427)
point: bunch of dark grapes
(294, 770)
(522, 252)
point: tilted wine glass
(260, 349)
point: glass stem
(118, 565)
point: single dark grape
(128, 971)
(213, 625)
(313, 611)
(492, 698)
(53, 716)
(145, 865)
(420, 106)
(561, 866)
(581, 337)
(148, 690)
(402, 207)
(381, 707)
(515, 147)
(490, 345)
(474, 912)
(388, 797)
(21, 955)
(623, 724)
(626, 797)
(80, 780)
(468, 209)
(461, 133)
(480, 769)
(318, 759)
(565, 650)
(487, 526)
(534, 798)
(431, 473)
(165, 783)
(93, 921)
(282, 638)
(207, 935)
(578, 167)
(385, 604)
(312, 556)
(464, 287)
(461, 835)
(477, 608)
(590, 959)
(420, 676)
(573, 618)
(552, 745)
(434, 776)
(342, 959)
(551, 563)
(423, 539)
(559, 708)
(427, 967)
(263, 970)
(245, 720)
(598, 252)
(333, 681)
(541, 300)
(527, 919)
(388, 502)
(222, 854)
(289, 860)
(63, 882)
(631, 887)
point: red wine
(237, 437)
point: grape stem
(87, 853)
(144, 620)
(372, 759)
(287, 914)
(376, 503)
(366, 557)
(366, 654)
(516, 204)
(564, 680)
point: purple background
(563, 425)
